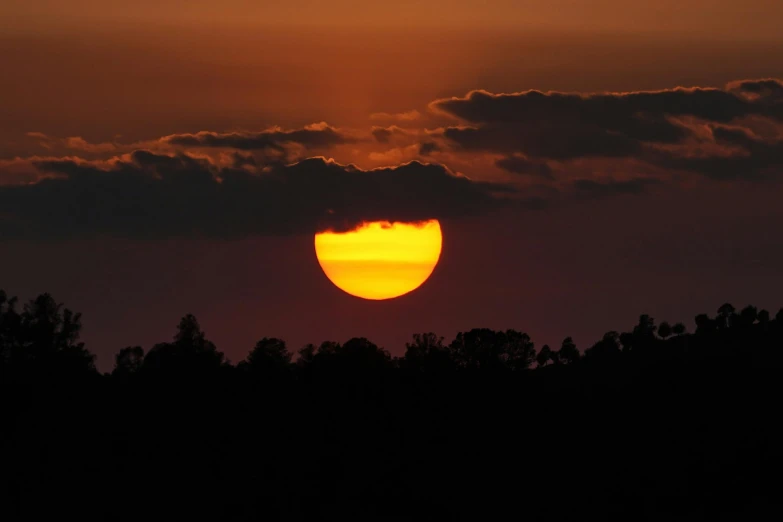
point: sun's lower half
(380, 260)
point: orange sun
(380, 260)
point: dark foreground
(644, 425)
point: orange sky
(98, 69)
(734, 19)
(151, 82)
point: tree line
(658, 421)
(44, 335)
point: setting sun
(380, 260)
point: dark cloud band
(314, 136)
(663, 128)
(149, 195)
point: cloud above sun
(734, 132)
(150, 195)
(464, 155)
(311, 136)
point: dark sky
(152, 167)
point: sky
(736, 19)
(587, 161)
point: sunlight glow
(380, 260)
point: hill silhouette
(651, 423)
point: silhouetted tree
(367, 353)
(748, 316)
(306, 355)
(645, 329)
(482, 348)
(356, 358)
(664, 330)
(627, 341)
(545, 355)
(607, 348)
(427, 353)
(477, 348)
(269, 356)
(43, 338)
(704, 324)
(518, 351)
(10, 322)
(568, 353)
(423, 343)
(327, 351)
(643, 334)
(350, 427)
(328, 348)
(725, 314)
(190, 353)
(678, 329)
(128, 361)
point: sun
(380, 260)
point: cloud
(408, 144)
(400, 116)
(150, 195)
(73, 143)
(767, 92)
(19, 171)
(556, 125)
(521, 165)
(736, 153)
(595, 189)
(78, 143)
(213, 184)
(242, 160)
(542, 141)
(385, 134)
(315, 136)
(427, 148)
(667, 128)
(382, 134)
